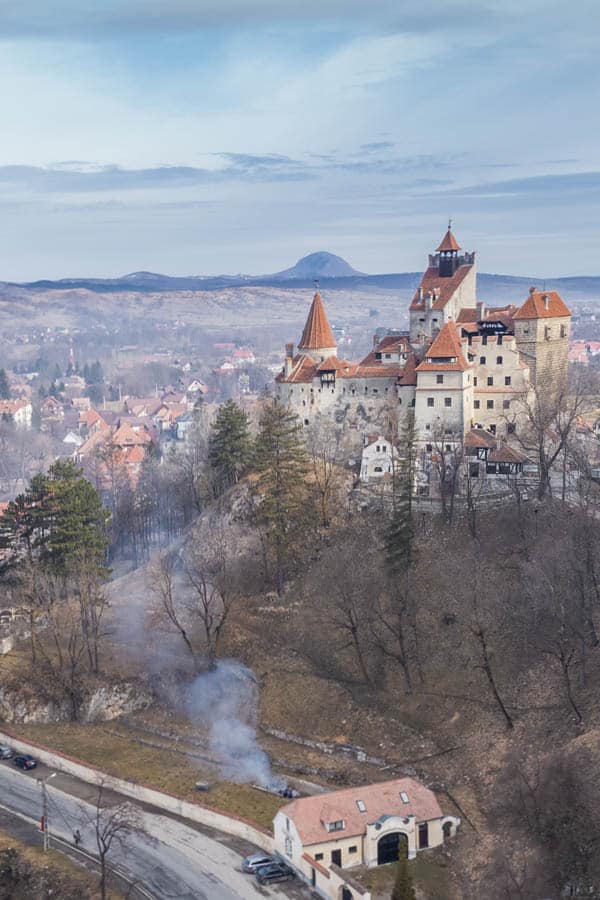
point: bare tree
(326, 459)
(195, 592)
(113, 825)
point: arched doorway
(447, 830)
(347, 894)
(391, 847)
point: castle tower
(448, 286)
(317, 339)
(542, 327)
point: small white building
(323, 835)
(379, 456)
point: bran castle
(462, 368)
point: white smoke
(225, 702)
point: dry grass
(163, 768)
(56, 862)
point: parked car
(25, 761)
(274, 872)
(5, 751)
(254, 862)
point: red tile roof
(317, 331)
(444, 288)
(543, 305)
(445, 354)
(409, 375)
(467, 315)
(478, 437)
(311, 814)
(449, 242)
(506, 454)
(303, 371)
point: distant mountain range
(331, 271)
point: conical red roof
(317, 332)
(449, 243)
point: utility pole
(45, 823)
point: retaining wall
(221, 821)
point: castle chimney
(420, 293)
(480, 310)
(546, 300)
(375, 341)
(289, 356)
(428, 300)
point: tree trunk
(487, 668)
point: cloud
(572, 185)
(83, 177)
(98, 19)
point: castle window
(318, 857)
(482, 360)
(352, 849)
(412, 402)
(499, 360)
(490, 404)
(511, 428)
(388, 355)
(306, 421)
(507, 380)
(546, 332)
(447, 401)
(378, 448)
(375, 390)
(484, 340)
(429, 447)
(563, 331)
(492, 429)
(505, 404)
(499, 340)
(448, 448)
(476, 404)
(490, 381)
(423, 835)
(430, 401)
(439, 379)
(475, 381)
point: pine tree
(59, 520)
(403, 885)
(4, 385)
(78, 524)
(229, 445)
(282, 465)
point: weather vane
(449, 224)
(316, 284)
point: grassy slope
(162, 768)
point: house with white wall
(323, 835)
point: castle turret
(317, 339)
(448, 254)
(542, 326)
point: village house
(379, 457)
(370, 825)
(18, 411)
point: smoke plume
(225, 702)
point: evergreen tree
(4, 385)
(403, 885)
(282, 465)
(58, 520)
(86, 374)
(78, 521)
(57, 374)
(399, 533)
(229, 445)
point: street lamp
(42, 782)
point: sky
(225, 136)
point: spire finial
(317, 285)
(449, 224)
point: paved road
(171, 859)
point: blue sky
(206, 136)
